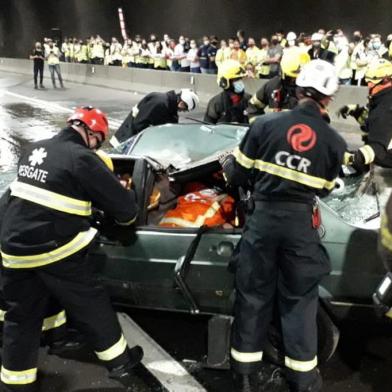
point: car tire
(328, 338)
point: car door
(174, 268)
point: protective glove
(339, 186)
(226, 158)
(354, 164)
(360, 113)
(382, 297)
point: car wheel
(328, 338)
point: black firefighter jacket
(46, 216)
(275, 95)
(378, 148)
(153, 109)
(220, 109)
(292, 156)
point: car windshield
(183, 145)
(361, 201)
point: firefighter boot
(124, 373)
(314, 386)
(245, 382)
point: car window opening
(202, 199)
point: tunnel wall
(146, 81)
(24, 21)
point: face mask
(376, 45)
(275, 42)
(238, 86)
(182, 41)
(291, 43)
(206, 42)
(357, 38)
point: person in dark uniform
(45, 235)
(212, 50)
(318, 52)
(202, 54)
(293, 157)
(279, 93)
(155, 109)
(38, 57)
(230, 105)
(375, 119)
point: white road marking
(173, 376)
(53, 106)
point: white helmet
(190, 98)
(291, 36)
(320, 75)
(317, 37)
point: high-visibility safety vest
(207, 207)
(46, 216)
(83, 54)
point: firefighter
(375, 119)
(383, 295)
(45, 238)
(54, 326)
(279, 93)
(293, 157)
(229, 105)
(155, 109)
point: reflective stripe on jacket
(46, 217)
(293, 155)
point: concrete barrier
(145, 81)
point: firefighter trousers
(281, 263)
(27, 293)
(54, 326)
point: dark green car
(185, 269)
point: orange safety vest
(206, 207)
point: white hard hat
(320, 75)
(190, 98)
(291, 36)
(317, 37)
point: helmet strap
(85, 129)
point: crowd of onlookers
(351, 55)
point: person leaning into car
(155, 109)
(45, 236)
(293, 156)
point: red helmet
(92, 118)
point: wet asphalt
(363, 360)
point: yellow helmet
(378, 70)
(106, 159)
(229, 70)
(292, 62)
